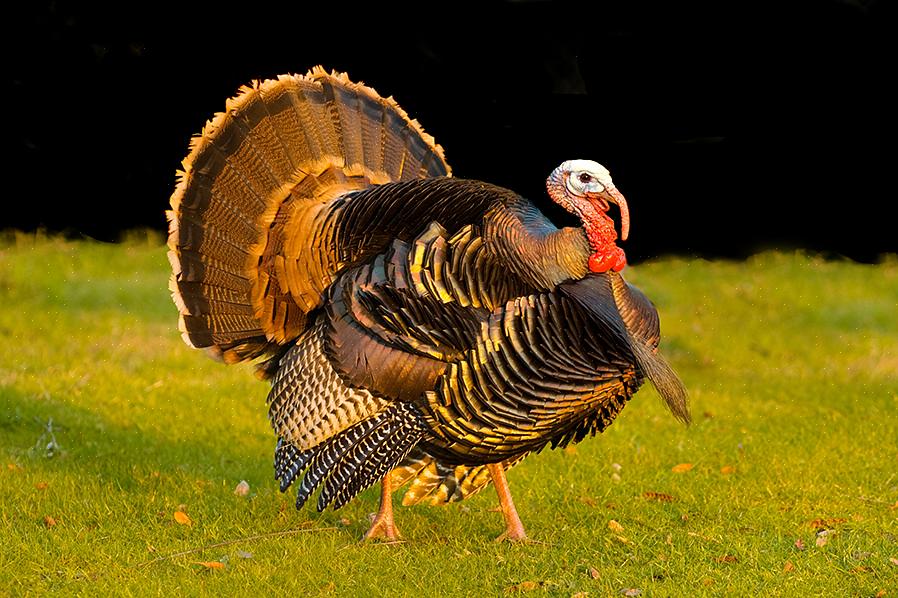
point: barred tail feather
(289, 462)
(354, 459)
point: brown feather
(247, 210)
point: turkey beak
(612, 195)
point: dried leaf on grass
(42, 485)
(726, 558)
(727, 470)
(682, 468)
(524, 586)
(789, 566)
(593, 573)
(799, 544)
(49, 522)
(630, 592)
(659, 496)
(210, 564)
(894, 561)
(182, 518)
(615, 526)
(821, 523)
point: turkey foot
(514, 529)
(610, 258)
(383, 527)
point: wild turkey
(417, 327)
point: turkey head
(584, 188)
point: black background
(731, 127)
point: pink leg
(383, 527)
(514, 529)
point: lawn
(785, 484)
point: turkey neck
(537, 251)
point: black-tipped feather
(328, 456)
(400, 435)
(357, 457)
(288, 462)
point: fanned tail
(248, 219)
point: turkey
(416, 327)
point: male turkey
(417, 327)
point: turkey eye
(585, 178)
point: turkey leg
(383, 527)
(514, 529)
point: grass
(792, 364)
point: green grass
(792, 365)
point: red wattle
(614, 260)
(602, 236)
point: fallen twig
(288, 532)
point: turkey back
(255, 220)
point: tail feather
(248, 204)
(343, 109)
(372, 131)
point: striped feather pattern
(288, 462)
(359, 456)
(251, 248)
(308, 402)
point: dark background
(731, 127)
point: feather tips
(280, 148)
(357, 457)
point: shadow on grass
(142, 466)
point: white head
(585, 176)
(583, 186)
